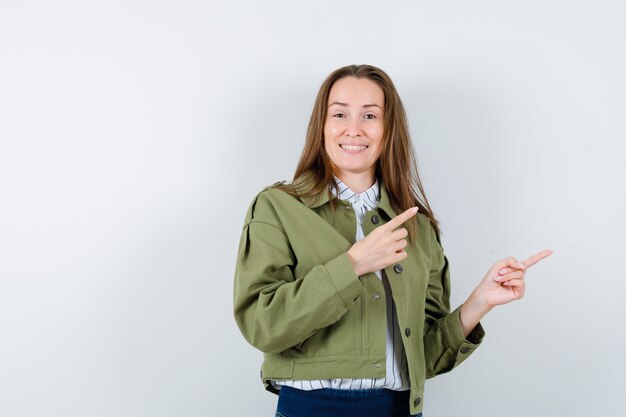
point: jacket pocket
(340, 338)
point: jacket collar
(323, 196)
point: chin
(353, 169)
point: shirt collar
(323, 196)
(371, 196)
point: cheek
(328, 142)
(333, 128)
(379, 147)
(377, 135)
(374, 128)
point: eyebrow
(346, 104)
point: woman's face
(353, 129)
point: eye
(370, 116)
(339, 115)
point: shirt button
(465, 350)
(375, 219)
(417, 401)
(407, 332)
(398, 268)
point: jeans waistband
(331, 402)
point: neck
(357, 182)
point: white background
(135, 133)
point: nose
(354, 127)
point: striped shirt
(396, 377)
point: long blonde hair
(396, 168)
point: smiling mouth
(353, 147)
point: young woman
(341, 279)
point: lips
(353, 147)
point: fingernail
(501, 272)
(498, 279)
(414, 209)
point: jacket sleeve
(445, 347)
(274, 309)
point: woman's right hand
(382, 247)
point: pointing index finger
(537, 257)
(401, 218)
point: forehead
(356, 91)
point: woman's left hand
(504, 282)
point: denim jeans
(329, 402)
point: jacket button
(398, 268)
(464, 350)
(375, 219)
(417, 401)
(407, 332)
(375, 296)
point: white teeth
(354, 147)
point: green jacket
(297, 298)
